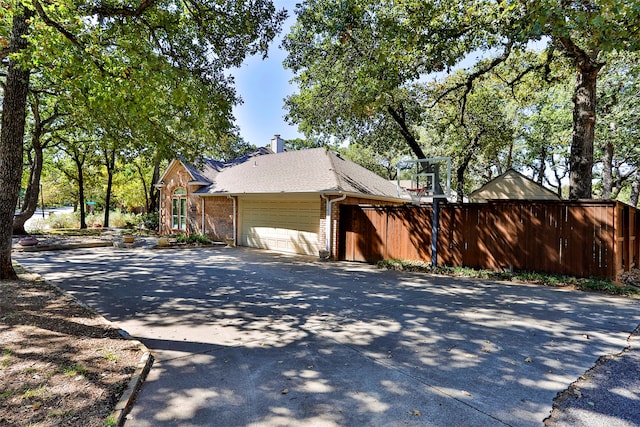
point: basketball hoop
(416, 195)
(425, 177)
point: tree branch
(106, 11)
(406, 133)
(471, 78)
(66, 33)
(51, 23)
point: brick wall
(218, 218)
(176, 177)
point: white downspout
(329, 221)
(235, 232)
(202, 226)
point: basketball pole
(435, 226)
(430, 170)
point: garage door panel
(287, 227)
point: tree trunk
(406, 132)
(14, 104)
(145, 188)
(33, 186)
(110, 163)
(607, 170)
(464, 164)
(460, 172)
(31, 193)
(584, 120)
(78, 159)
(460, 183)
(543, 164)
(635, 189)
(154, 194)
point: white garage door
(290, 226)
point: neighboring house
(511, 185)
(285, 201)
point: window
(179, 209)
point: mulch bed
(60, 363)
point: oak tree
(140, 50)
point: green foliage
(618, 126)
(585, 284)
(194, 238)
(364, 70)
(228, 147)
(125, 77)
(151, 221)
(352, 62)
(35, 393)
(74, 370)
(111, 357)
(303, 144)
(477, 134)
(382, 163)
(6, 357)
(118, 219)
(66, 220)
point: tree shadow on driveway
(246, 337)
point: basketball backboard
(425, 179)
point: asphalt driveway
(250, 338)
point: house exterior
(286, 201)
(511, 185)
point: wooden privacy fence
(582, 238)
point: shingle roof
(208, 169)
(304, 171)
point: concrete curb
(137, 379)
(142, 368)
(59, 247)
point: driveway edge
(137, 379)
(569, 399)
(142, 368)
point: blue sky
(263, 85)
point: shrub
(151, 220)
(118, 219)
(193, 238)
(594, 285)
(66, 220)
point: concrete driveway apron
(250, 338)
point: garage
(283, 224)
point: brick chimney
(277, 144)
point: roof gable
(173, 165)
(512, 185)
